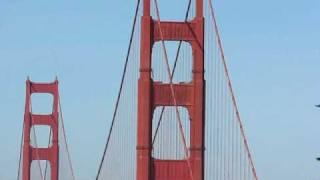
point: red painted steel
(152, 94)
(30, 153)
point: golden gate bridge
(175, 118)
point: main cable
(20, 156)
(172, 89)
(173, 72)
(65, 138)
(234, 102)
(120, 89)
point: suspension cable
(20, 155)
(65, 138)
(173, 72)
(120, 89)
(172, 89)
(234, 102)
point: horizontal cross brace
(171, 169)
(43, 153)
(174, 31)
(48, 120)
(51, 88)
(162, 94)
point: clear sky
(272, 48)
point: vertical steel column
(198, 119)
(51, 153)
(144, 98)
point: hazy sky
(272, 48)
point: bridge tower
(153, 94)
(30, 153)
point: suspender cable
(173, 72)
(65, 139)
(172, 89)
(20, 155)
(231, 92)
(120, 90)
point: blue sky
(272, 48)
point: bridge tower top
(190, 95)
(30, 153)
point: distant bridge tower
(154, 94)
(30, 153)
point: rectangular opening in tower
(41, 103)
(40, 169)
(41, 136)
(173, 10)
(168, 143)
(180, 62)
